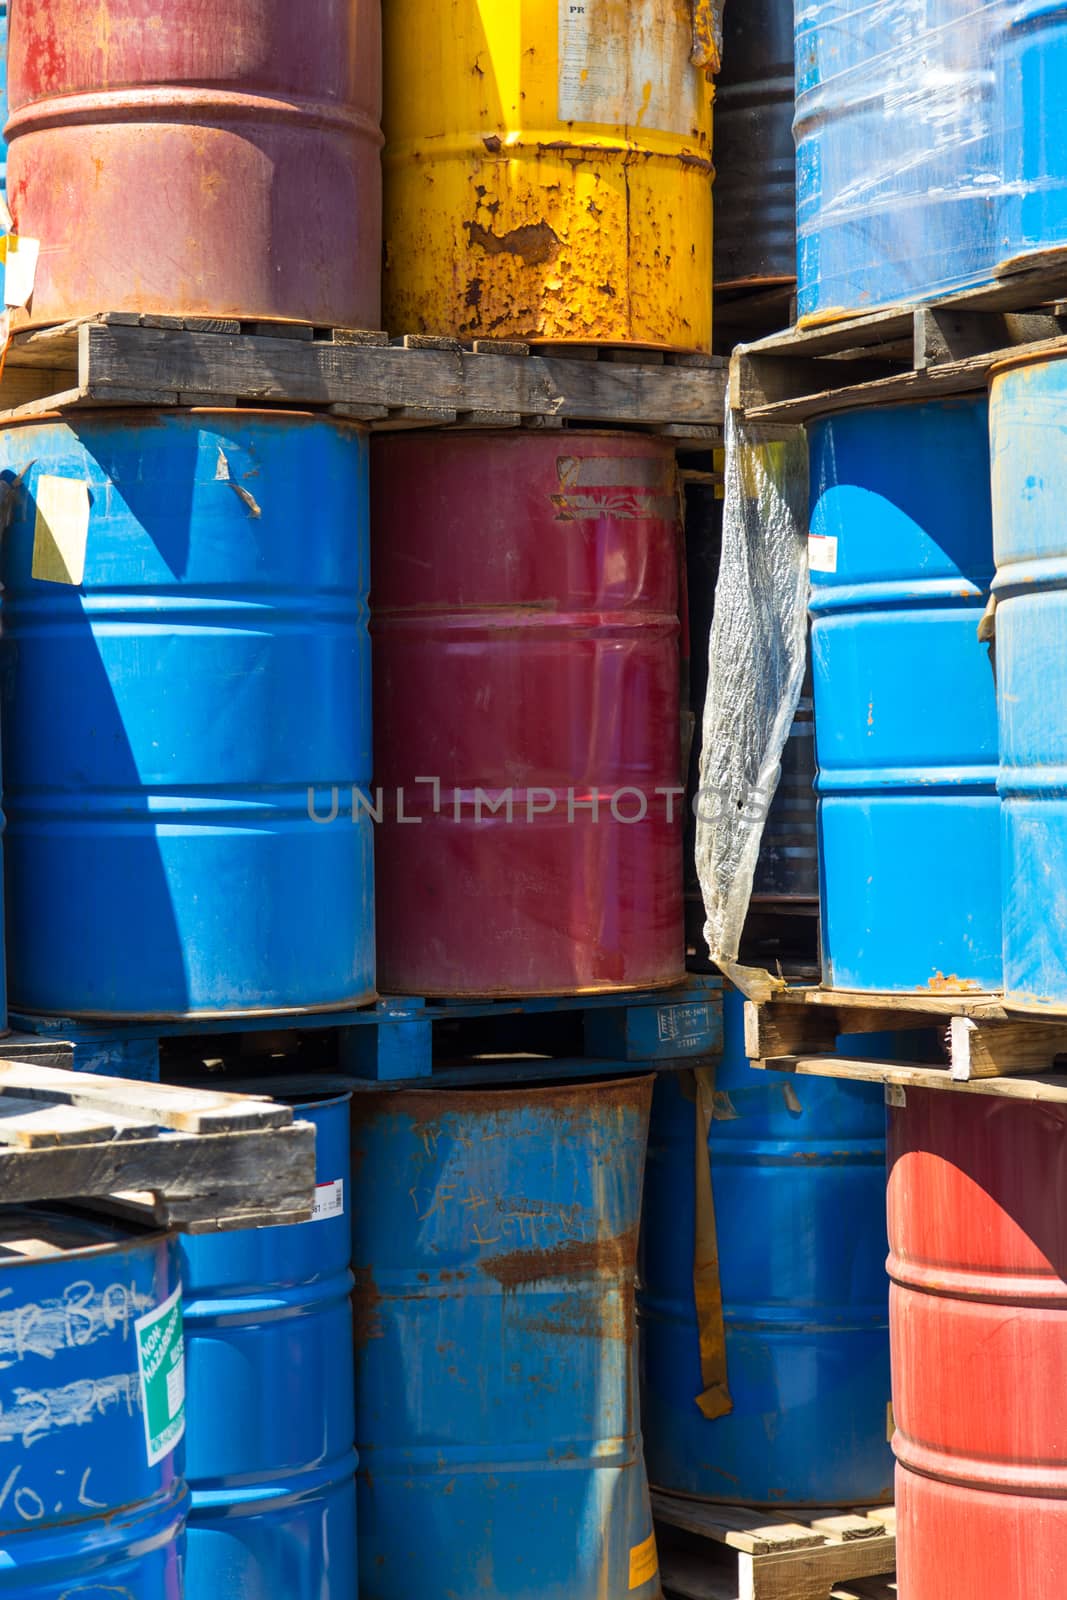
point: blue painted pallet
(393, 1041)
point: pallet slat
(987, 1049)
(418, 380)
(199, 1160)
(721, 1552)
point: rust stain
(535, 243)
(609, 1317)
(569, 1259)
(707, 36)
(366, 1308)
(493, 143)
(940, 984)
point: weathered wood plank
(320, 373)
(982, 1049)
(189, 1110)
(34, 1124)
(279, 1160)
(1050, 1087)
(811, 1574)
(754, 1532)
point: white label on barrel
(329, 1200)
(895, 1095)
(62, 530)
(822, 552)
(161, 1362)
(625, 64)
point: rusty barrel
(978, 1317)
(495, 1238)
(548, 170)
(526, 681)
(199, 157)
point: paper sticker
(627, 65)
(822, 552)
(19, 257)
(644, 1562)
(894, 1095)
(62, 530)
(329, 1200)
(161, 1361)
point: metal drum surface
(269, 1453)
(186, 656)
(898, 161)
(905, 710)
(1029, 50)
(1028, 411)
(755, 159)
(199, 157)
(798, 1176)
(548, 171)
(3, 96)
(526, 656)
(787, 872)
(496, 1389)
(978, 1233)
(91, 1410)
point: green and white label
(161, 1361)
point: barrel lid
(30, 1233)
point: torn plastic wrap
(757, 661)
(908, 168)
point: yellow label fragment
(644, 1562)
(62, 530)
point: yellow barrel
(548, 170)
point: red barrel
(199, 157)
(978, 1314)
(526, 657)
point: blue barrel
(1028, 414)
(271, 1463)
(1030, 63)
(496, 1395)
(905, 705)
(798, 1176)
(187, 703)
(898, 160)
(92, 1500)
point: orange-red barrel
(199, 157)
(526, 682)
(978, 1317)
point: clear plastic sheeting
(756, 672)
(930, 145)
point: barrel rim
(1025, 358)
(490, 1090)
(141, 415)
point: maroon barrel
(526, 684)
(199, 157)
(978, 1319)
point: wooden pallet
(717, 1552)
(986, 1048)
(120, 359)
(410, 1039)
(196, 1160)
(905, 353)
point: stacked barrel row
(939, 562)
(197, 806)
